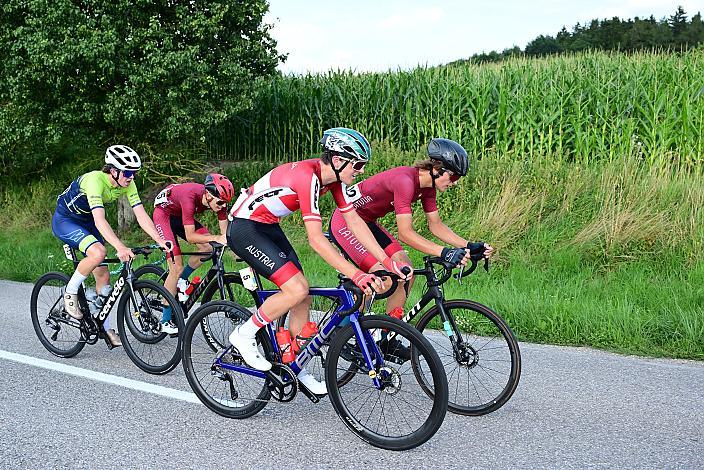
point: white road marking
(100, 377)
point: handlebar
(359, 296)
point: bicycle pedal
(311, 396)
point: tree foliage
(148, 71)
(674, 32)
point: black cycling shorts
(265, 248)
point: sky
(380, 35)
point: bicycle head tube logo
(117, 288)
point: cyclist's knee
(296, 289)
(96, 252)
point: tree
(543, 45)
(678, 23)
(153, 72)
(695, 31)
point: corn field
(582, 108)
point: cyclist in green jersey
(79, 221)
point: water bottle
(283, 337)
(194, 283)
(181, 287)
(397, 313)
(91, 298)
(307, 333)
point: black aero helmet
(451, 154)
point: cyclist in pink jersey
(175, 208)
(395, 190)
(255, 236)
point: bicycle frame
(124, 278)
(364, 338)
(216, 271)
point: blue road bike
(381, 397)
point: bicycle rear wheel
(150, 349)
(58, 332)
(484, 371)
(227, 393)
(398, 415)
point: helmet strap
(117, 180)
(337, 172)
(434, 176)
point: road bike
(381, 401)
(139, 304)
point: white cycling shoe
(169, 328)
(71, 306)
(319, 388)
(247, 346)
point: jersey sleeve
(403, 195)
(428, 201)
(308, 191)
(92, 187)
(339, 193)
(133, 195)
(222, 214)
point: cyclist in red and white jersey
(175, 208)
(395, 190)
(255, 236)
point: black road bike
(139, 304)
(479, 351)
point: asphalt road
(574, 408)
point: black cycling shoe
(395, 348)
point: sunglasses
(129, 173)
(357, 165)
(220, 202)
(453, 177)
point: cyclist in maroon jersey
(255, 236)
(175, 208)
(395, 190)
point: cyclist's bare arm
(322, 246)
(443, 232)
(408, 235)
(193, 237)
(364, 235)
(105, 229)
(147, 224)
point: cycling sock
(75, 282)
(105, 291)
(187, 271)
(166, 314)
(254, 324)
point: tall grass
(595, 106)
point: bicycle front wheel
(484, 368)
(226, 392)
(58, 332)
(139, 315)
(395, 413)
(151, 272)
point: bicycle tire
(156, 273)
(399, 379)
(56, 318)
(150, 350)
(490, 370)
(212, 386)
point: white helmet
(123, 158)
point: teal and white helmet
(347, 143)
